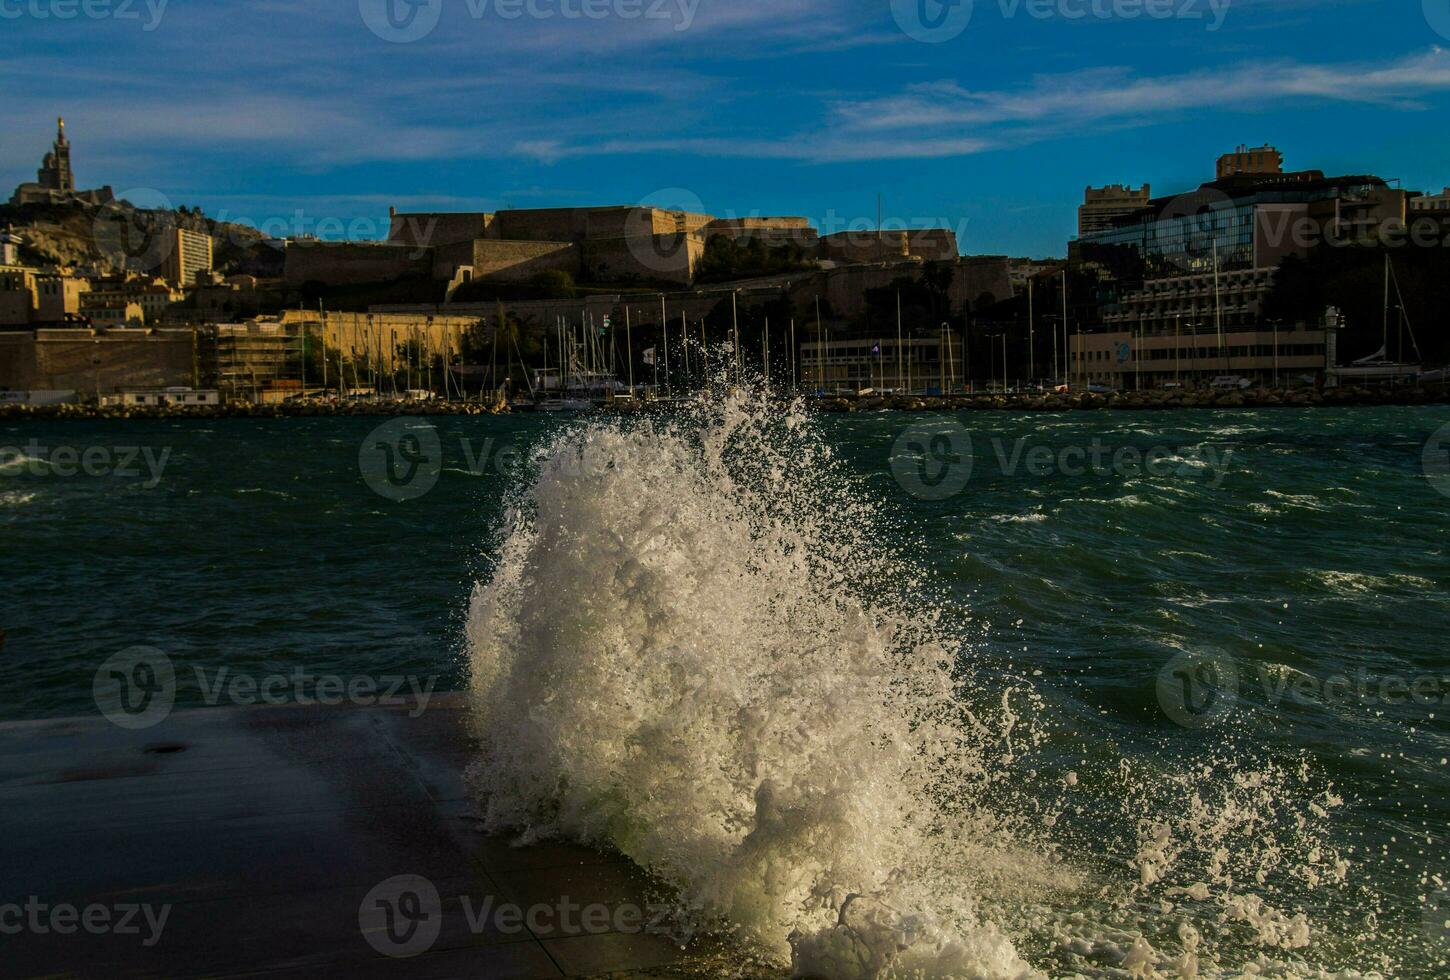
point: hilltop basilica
(56, 183)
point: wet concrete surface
(294, 841)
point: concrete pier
(296, 842)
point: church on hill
(56, 182)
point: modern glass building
(1246, 221)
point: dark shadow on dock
(298, 841)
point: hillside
(119, 236)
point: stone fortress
(610, 244)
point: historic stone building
(56, 182)
(1101, 206)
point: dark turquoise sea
(1164, 579)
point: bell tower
(56, 174)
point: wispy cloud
(944, 118)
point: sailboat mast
(1066, 356)
(1218, 305)
(900, 353)
(1031, 352)
(735, 330)
(765, 350)
(1385, 326)
(792, 355)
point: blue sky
(306, 116)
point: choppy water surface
(1047, 708)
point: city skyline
(812, 108)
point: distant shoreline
(1343, 397)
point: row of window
(1205, 352)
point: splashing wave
(698, 647)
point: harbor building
(152, 294)
(1431, 202)
(1193, 353)
(245, 360)
(59, 296)
(925, 365)
(163, 397)
(1102, 205)
(30, 297)
(1183, 281)
(1233, 298)
(1245, 160)
(187, 255)
(97, 362)
(18, 295)
(1246, 221)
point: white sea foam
(13, 463)
(694, 647)
(1031, 517)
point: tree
(726, 259)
